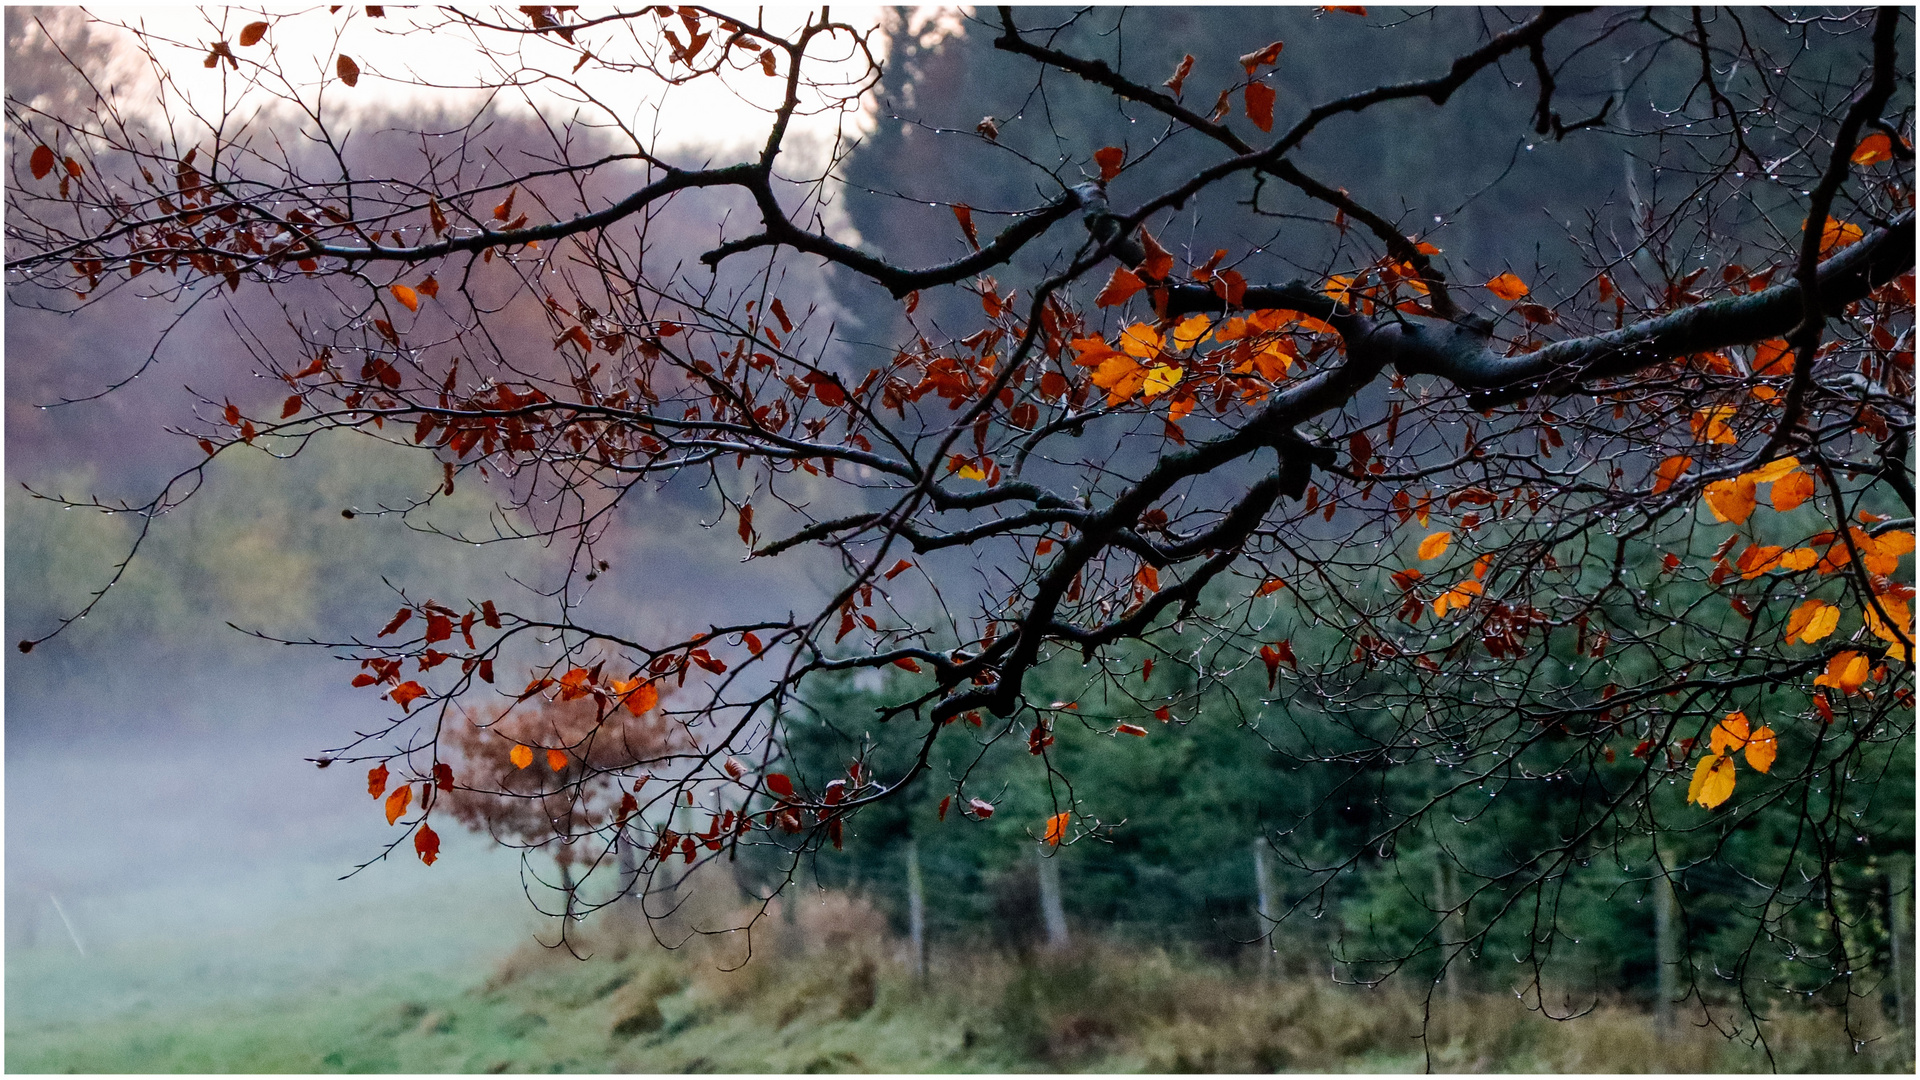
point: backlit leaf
(1873, 149)
(556, 760)
(1731, 500)
(1773, 470)
(1435, 544)
(426, 844)
(1142, 341)
(1837, 234)
(1132, 729)
(1846, 672)
(1270, 585)
(405, 694)
(1669, 471)
(406, 296)
(398, 801)
(1508, 287)
(521, 756)
(1712, 781)
(1791, 490)
(1122, 284)
(1160, 379)
(1729, 734)
(1109, 158)
(1762, 748)
(1710, 424)
(1057, 827)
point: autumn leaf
(1434, 545)
(1160, 379)
(1131, 729)
(1846, 672)
(557, 760)
(1873, 149)
(1773, 358)
(1271, 585)
(1179, 79)
(981, 808)
(1259, 101)
(1122, 284)
(1773, 470)
(522, 756)
(426, 843)
(1812, 621)
(1191, 331)
(1109, 158)
(576, 684)
(41, 162)
(1791, 490)
(1729, 734)
(1158, 263)
(964, 215)
(1669, 471)
(443, 776)
(348, 71)
(1731, 500)
(290, 406)
(251, 33)
(908, 663)
(406, 296)
(398, 620)
(1508, 287)
(1712, 781)
(377, 780)
(405, 694)
(1260, 58)
(1762, 748)
(1837, 234)
(1710, 424)
(1057, 827)
(398, 801)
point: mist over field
(184, 881)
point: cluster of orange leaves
(1713, 778)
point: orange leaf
(1435, 544)
(1109, 158)
(1762, 748)
(397, 802)
(964, 215)
(1710, 424)
(1508, 287)
(1837, 234)
(1873, 149)
(1057, 827)
(575, 684)
(1179, 79)
(1670, 470)
(1773, 357)
(404, 694)
(426, 843)
(1122, 284)
(1259, 100)
(1731, 500)
(522, 756)
(1159, 262)
(1729, 734)
(1262, 57)
(1132, 729)
(1791, 490)
(1271, 585)
(642, 699)
(1846, 672)
(377, 780)
(898, 568)
(406, 296)
(908, 663)
(1812, 621)
(348, 71)
(556, 760)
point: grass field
(828, 992)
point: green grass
(829, 994)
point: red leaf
(780, 784)
(1230, 286)
(1262, 57)
(909, 663)
(1131, 729)
(752, 642)
(41, 162)
(439, 628)
(406, 693)
(426, 842)
(364, 679)
(746, 524)
(1109, 158)
(398, 621)
(1259, 98)
(490, 616)
(964, 214)
(290, 406)
(443, 776)
(377, 780)
(944, 803)
(899, 568)
(1121, 285)
(981, 808)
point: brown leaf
(1179, 79)
(348, 71)
(251, 33)
(41, 162)
(377, 780)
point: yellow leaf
(397, 802)
(1731, 500)
(1762, 748)
(405, 295)
(1846, 672)
(1142, 341)
(972, 471)
(1435, 544)
(522, 756)
(1729, 734)
(1508, 287)
(1881, 554)
(1798, 558)
(1838, 234)
(1821, 622)
(1791, 490)
(1057, 828)
(1340, 288)
(1901, 617)
(1710, 424)
(1712, 781)
(1191, 331)
(1670, 470)
(1160, 379)
(1773, 470)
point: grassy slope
(830, 995)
